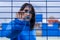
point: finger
(21, 14)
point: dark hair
(32, 21)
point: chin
(27, 19)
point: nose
(27, 14)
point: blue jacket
(18, 30)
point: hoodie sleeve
(13, 29)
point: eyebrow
(21, 12)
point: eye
(27, 11)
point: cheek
(30, 16)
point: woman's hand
(21, 15)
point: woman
(22, 28)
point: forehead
(27, 7)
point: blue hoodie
(18, 30)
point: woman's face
(27, 11)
